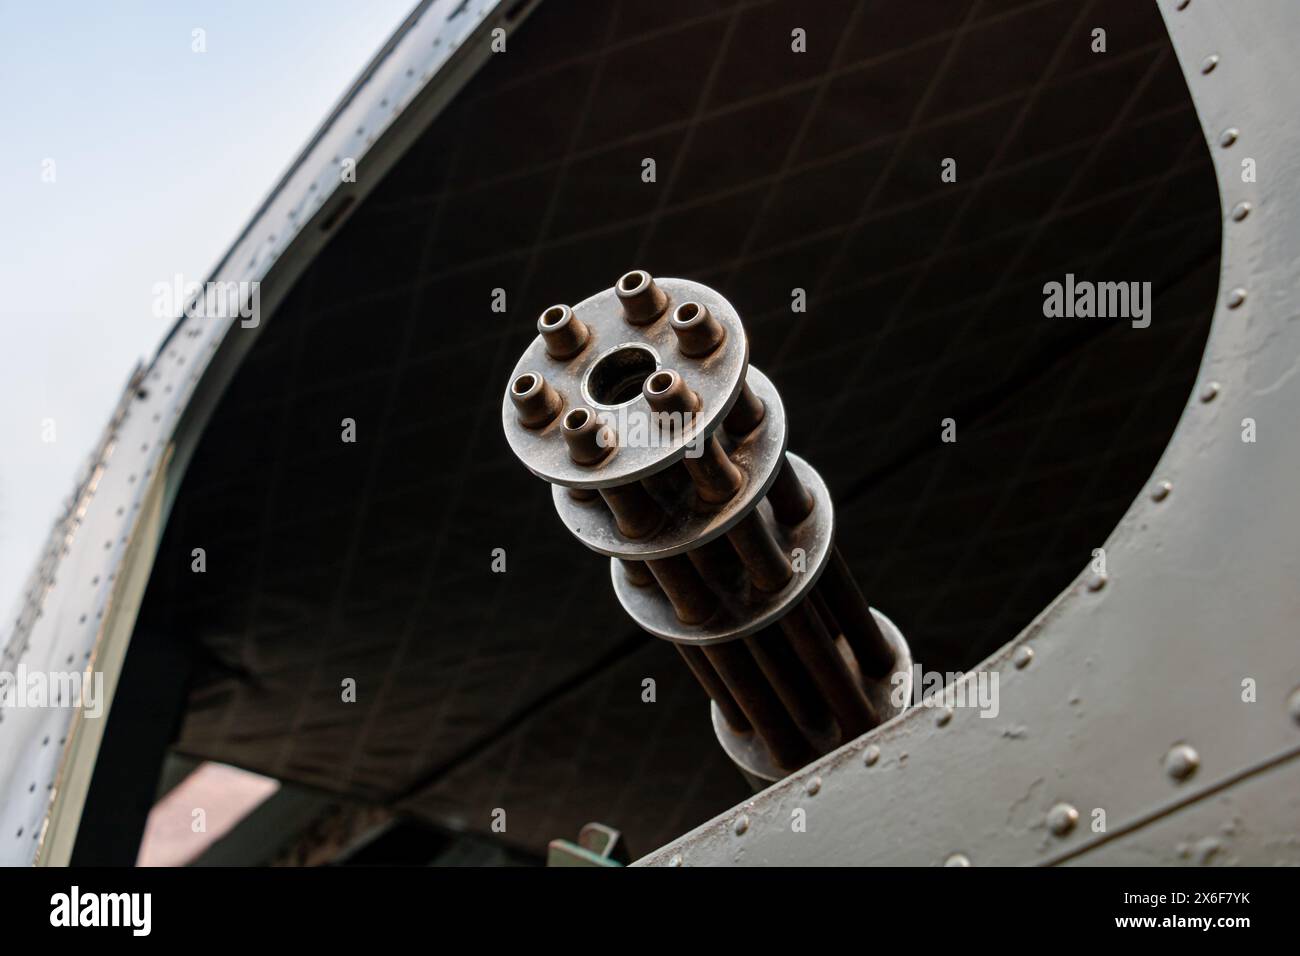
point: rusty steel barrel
(666, 451)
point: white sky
(160, 156)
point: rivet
(1024, 655)
(1241, 211)
(1209, 63)
(957, 859)
(1182, 4)
(1096, 581)
(1237, 298)
(871, 756)
(1229, 136)
(1181, 762)
(814, 786)
(1062, 818)
(1161, 491)
(944, 717)
(742, 824)
(1209, 392)
(676, 860)
(1293, 705)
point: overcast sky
(125, 158)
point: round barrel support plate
(716, 378)
(749, 611)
